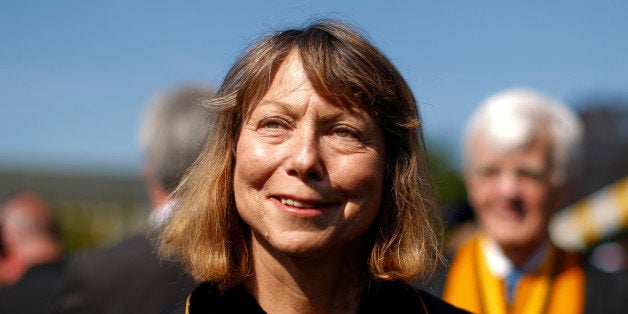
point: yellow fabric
(187, 304)
(568, 287)
(488, 285)
(620, 193)
(462, 287)
(556, 287)
(582, 214)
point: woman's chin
(299, 246)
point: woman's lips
(295, 203)
(301, 207)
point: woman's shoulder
(435, 304)
(177, 308)
(206, 298)
(379, 298)
(403, 298)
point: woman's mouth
(291, 202)
(303, 207)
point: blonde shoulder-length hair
(206, 232)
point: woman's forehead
(291, 77)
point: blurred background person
(128, 277)
(521, 158)
(32, 255)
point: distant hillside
(91, 187)
(92, 208)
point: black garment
(379, 298)
(35, 291)
(125, 278)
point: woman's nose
(305, 159)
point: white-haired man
(521, 156)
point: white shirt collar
(501, 266)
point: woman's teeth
(294, 203)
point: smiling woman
(309, 174)
(313, 192)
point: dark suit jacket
(125, 278)
(35, 291)
(605, 292)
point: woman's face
(309, 174)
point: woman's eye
(272, 124)
(347, 133)
(343, 133)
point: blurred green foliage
(86, 224)
(92, 209)
(447, 179)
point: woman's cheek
(254, 160)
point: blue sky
(75, 75)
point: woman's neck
(325, 284)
